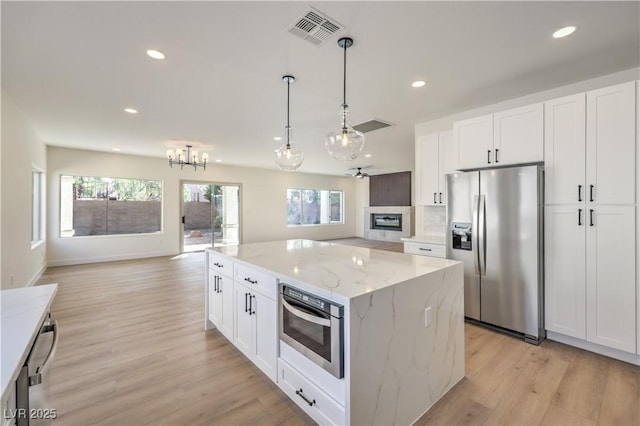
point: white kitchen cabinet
(518, 135)
(255, 333)
(590, 147)
(433, 162)
(564, 152)
(565, 270)
(590, 282)
(425, 249)
(611, 140)
(513, 136)
(474, 140)
(611, 277)
(221, 303)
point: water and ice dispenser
(461, 235)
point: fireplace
(387, 221)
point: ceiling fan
(358, 174)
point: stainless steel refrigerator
(495, 226)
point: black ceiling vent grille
(315, 27)
(371, 125)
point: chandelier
(187, 157)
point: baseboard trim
(101, 259)
(594, 347)
(37, 276)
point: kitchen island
(403, 325)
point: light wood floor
(133, 352)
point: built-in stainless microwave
(314, 327)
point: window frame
(38, 203)
(329, 192)
(109, 179)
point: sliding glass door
(210, 215)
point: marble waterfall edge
(416, 365)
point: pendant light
(287, 156)
(347, 143)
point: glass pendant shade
(347, 143)
(287, 156)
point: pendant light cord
(288, 127)
(344, 89)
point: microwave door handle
(482, 238)
(475, 247)
(305, 316)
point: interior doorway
(210, 215)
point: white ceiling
(73, 66)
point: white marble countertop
(23, 311)
(337, 270)
(429, 239)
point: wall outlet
(427, 317)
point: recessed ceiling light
(115, 149)
(277, 138)
(131, 110)
(563, 32)
(218, 161)
(418, 83)
(367, 155)
(155, 54)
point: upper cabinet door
(518, 135)
(564, 150)
(474, 140)
(611, 154)
(426, 170)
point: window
(314, 207)
(37, 207)
(109, 206)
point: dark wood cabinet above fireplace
(393, 189)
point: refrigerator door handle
(474, 236)
(482, 241)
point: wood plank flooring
(133, 351)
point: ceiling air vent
(315, 27)
(371, 125)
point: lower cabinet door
(214, 300)
(225, 296)
(315, 402)
(565, 287)
(243, 334)
(266, 327)
(611, 276)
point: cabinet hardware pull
(488, 156)
(252, 308)
(591, 193)
(246, 302)
(440, 197)
(434, 198)
(425, 249)
(496, 156)
(215, 283)
(579, 217)
(307, 400)
(579, 192)
(218, 265)
(251, 281)
(219, 288)
(590, 217)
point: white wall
(21, 150)
(263, 204)
(362, 201)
